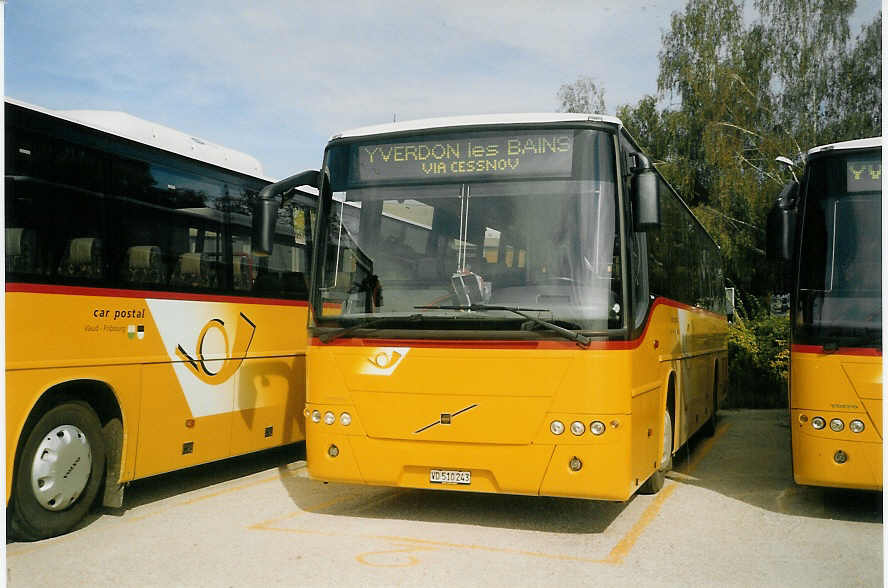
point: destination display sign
(498, 155)
(864, 175)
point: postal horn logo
(235, 354)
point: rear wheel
(710, 425)
(58, 473)
(658, 478)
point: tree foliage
(738, 94)
(584, 95)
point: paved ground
(730, 515)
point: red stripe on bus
(858, 351)
(160, 295)
(511, 344)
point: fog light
(818, 423)
(856, 426)
(557, 427)
(597, 427)
(316, 416)
(345, 419)
(575, 464)
(333, 451)
(836, 425)
(577, 428)
(840, 456)
(329, 418)
(803, 418)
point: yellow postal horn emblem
(242, 338)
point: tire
(50, 497)
(653, 484)
(709, 426)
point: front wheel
(658, 478)
(58, 472)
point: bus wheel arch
(656, 480)
(709, 426)
(670, 402)
(86, 421)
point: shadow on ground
(750, 461)
(527, 513)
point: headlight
(577, 428)
(597, 427)
(818, 423)
(316, 416)
(345, 419)
(836, 425)
(856, 426)
(329, 418)
(557, 427)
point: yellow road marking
(411, 561)
(615, 557)
(266, 525)
(624, 546)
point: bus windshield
(840, 278)
(527, 219)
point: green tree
(856, 90)
(807, 41)
(584, 95)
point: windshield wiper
(581, 340)
(366, 323)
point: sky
(276, 79)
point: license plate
(450, 477)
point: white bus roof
(845, 145)
(156, 135)
(474, 120)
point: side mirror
(781, 226)
(265, 213)
(645, 195)
(267, 205)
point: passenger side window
(171, 228)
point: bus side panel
(171, 436)
(647, 427)
(269, 399)
(184, 355)
(233, 389)
(25, 387)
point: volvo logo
(446, 418)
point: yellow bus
(516, 304)
(142, 333)
(829, 227)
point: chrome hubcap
(61, 467)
